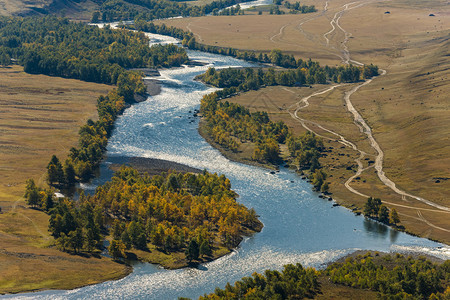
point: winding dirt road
(358, 120)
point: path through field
(331, 37)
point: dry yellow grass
(13, 7)
(40, 116)
(407, 109)
(75, 10)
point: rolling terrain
(73, 9)
(388, 135)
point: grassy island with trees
(172, 219)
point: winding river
(299, 226)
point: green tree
(99, 217)
(205, 249)
(48, 202)
(372, 207)
(32, 193)
(172, 182)
(126, 239)
(91, 239)
(324, 188)
(95, 17)
(192, 251)
(117, 229)
(168, 243)
(383, 214)
(158, 237)
(275, 56)
(134, 230)
(141, 242)
(63, 242)
(393, 217)
(55, 173)
(76, 239)
(318, 178)
(69, 173)
(5, 60)
(369, 71)
(368, 207)
(116, 249)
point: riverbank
(154, 166)
(177, 260)
(381, 262)
(153, 87)
(243, 156)
(359, 275)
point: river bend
(299, 226)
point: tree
(141, 242)
(205, 249)
(32, 193)
(383, 214)
(368, 207)
(393, 217)
(172, 182)
(69, 173)
(117, 229)
(91, 239)
(126, 239)
(4, 59)
(369, 71)
(372, 207)
(134, 230)
(192, 251)
(168, 243)
(117, 249)
(158, 236)
(62, 242)
(47, 202)
(314, 164)
(76, 239)
(324, 188)
(318, 178)
(275, 56)
(95, 17)
(376, 205)
(55, 173)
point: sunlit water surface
(298, 226)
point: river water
(298, 225)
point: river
(298, 225)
